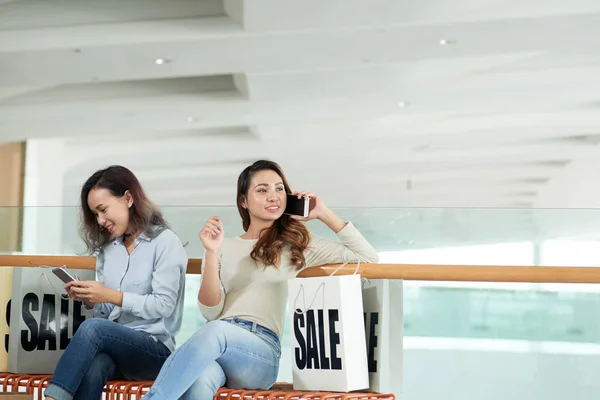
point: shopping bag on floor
(383, 318)
(5, 293)
(42, 319)
(329, 350)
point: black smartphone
(63, 275)
(297, 206)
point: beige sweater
(258, 294)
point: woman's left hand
(316, 206)
(93, 291)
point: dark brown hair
(144, 216)
(284, 231)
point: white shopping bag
(5, 294)
(329, 350)
(383, 316)
(42, 319)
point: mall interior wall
(12, 172)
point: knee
(210, 333)
(92, 328)
(208, 341)
(211, 327)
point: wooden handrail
(459, 273)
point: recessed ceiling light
(161, 61)
(446, 41)
(402, 104)
(190, 119)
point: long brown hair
(144, 216)
(284, 231)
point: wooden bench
(134, 390)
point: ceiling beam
(410, 80)
(270, 15)
(195, 47)
(214, 109)
(481, 155)
(40, 14)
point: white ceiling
(369, 103)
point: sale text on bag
(40, 332)
(310, 332)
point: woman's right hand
(73, 296)
(212, 234)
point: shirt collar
(144, 236)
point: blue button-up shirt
(152, 279)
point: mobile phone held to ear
(63, 275)
(297, 206)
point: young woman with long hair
(137, 299)
(243, 292)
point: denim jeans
(103, 350)
(236, 353)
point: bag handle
(346, 263)
(43, 271)
(301, 290)
(320, 288)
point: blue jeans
(238, 353)
(103, 350)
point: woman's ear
(128, 198)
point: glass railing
(53, 230)
(452, 330)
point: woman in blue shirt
(137, 299)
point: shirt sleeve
(170, 265)
(212, 313)
(351, 248)
(100, 310)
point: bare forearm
(334, 222)
(115, 297)
(210, 289)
